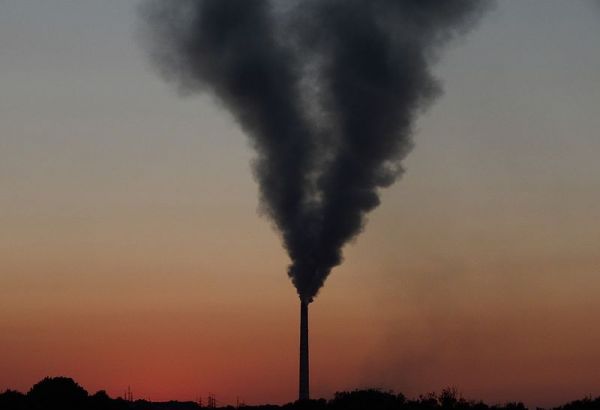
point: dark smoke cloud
(327, 90)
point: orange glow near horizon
(416, 334)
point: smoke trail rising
(328, 92)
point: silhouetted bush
(320, 404)
(168, 405)
(101, 401)
(57, 393)
(585, 404)
(11, 399)
(515, 406)
(362, 399)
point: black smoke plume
(327, 91)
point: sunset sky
(132, 251)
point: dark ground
(62, 393)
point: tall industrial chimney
(303, 393)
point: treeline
(62, 393)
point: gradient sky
(132, 252)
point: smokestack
(328, 93)
(303, 392)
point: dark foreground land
(62, 393)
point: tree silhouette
(58, 393)
(13, 400)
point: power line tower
(128, 394)
(212, 401)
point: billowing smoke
(327, 91)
